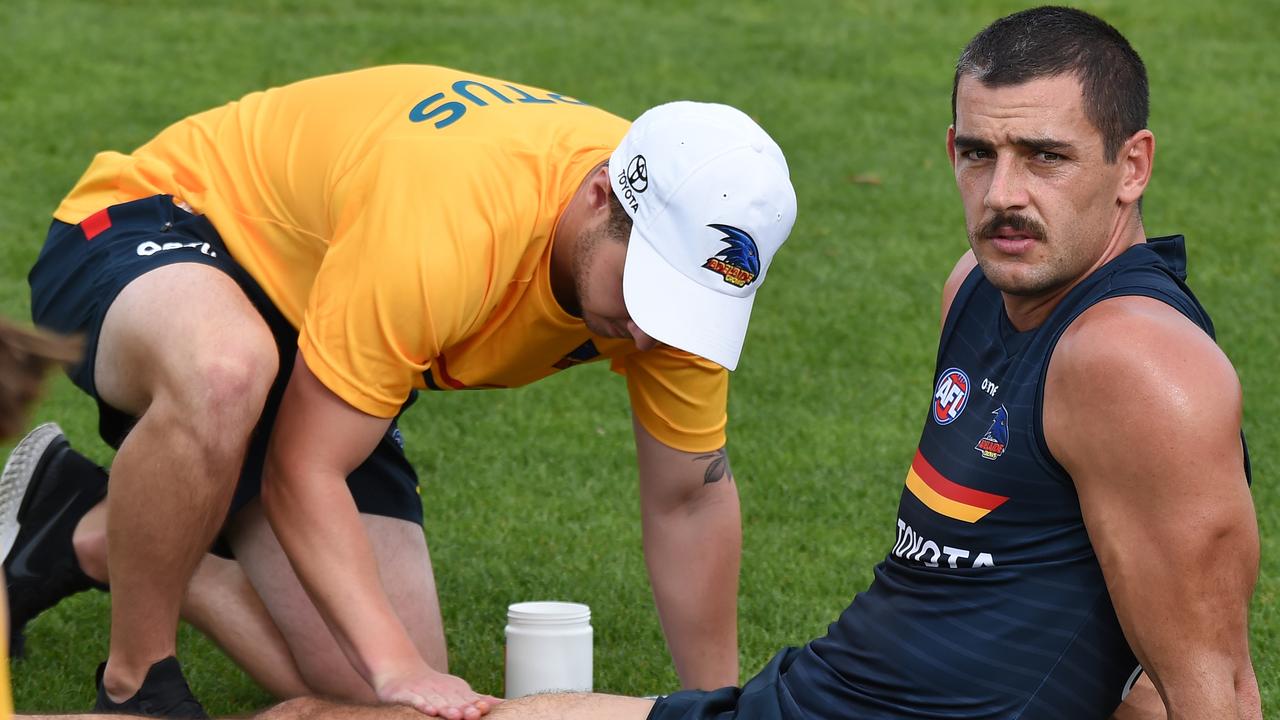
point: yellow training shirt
(401, 217)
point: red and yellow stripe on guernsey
(947, 498)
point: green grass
(531, 493)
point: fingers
(438, 695)
(448, 707)
(413, 700)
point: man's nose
(1008, 190)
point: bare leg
(220, 603)
(90, 543)
(405, 568)
(573, 706)
(196, 374)
(566, 706)
(569, 706)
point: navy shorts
(762, 698)
(81, 270)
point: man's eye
(977, 154)
(1049, 157)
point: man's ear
(1137, 156)
(599, 189)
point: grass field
(531, 493)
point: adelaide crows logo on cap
(738, 264)
(950, 396)
(992, 444)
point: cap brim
(679, 312)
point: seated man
(1081, 410)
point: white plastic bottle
(549, 648)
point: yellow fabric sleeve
(681, 399)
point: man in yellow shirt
(395, 229)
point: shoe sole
(16, 477)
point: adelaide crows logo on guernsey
(992, 444)
(738, 264)
(950, 396)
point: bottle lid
(549, 613)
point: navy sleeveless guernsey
(991, 603)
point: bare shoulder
(1134, 374)
(1138, 337)
(963, 266)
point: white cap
(710, 201)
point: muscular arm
(317, 440)
(1143, 410)
(963, 266)
(692, 547)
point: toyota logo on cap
(638, 174)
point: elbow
(696, 499)
(710, 511)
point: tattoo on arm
(718, 468)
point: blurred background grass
(531, 493)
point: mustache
(1019, 223)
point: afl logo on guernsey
(950, 396)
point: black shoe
(164, 693)
(45, 489)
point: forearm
(1187, 619)
(335, 563)
(1211, 687)
(693, 551)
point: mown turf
(531, 493)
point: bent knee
(89, 543)
(226, 390)
(172, 326)
(211, 409)
(231, 387)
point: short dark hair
(619, 223)
(1050, 41)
